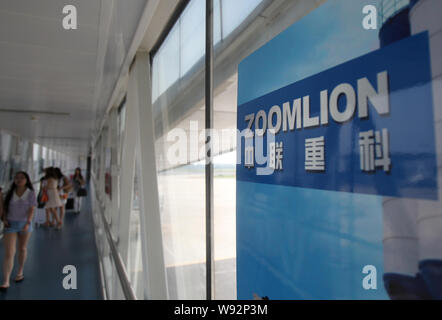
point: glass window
(167, 63)
(216, 21)
(185, 44)
(43, 159)
(5, 150)
(234, 12)
(35, 160)
(224, 191)
(49, 158)
(192, 35)
(108, 173)
(182, 208)
(182, 184)
(121, 128)
(35, 152)
(98, 159)
(14, 157)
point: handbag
(42, 199)
(82, 192)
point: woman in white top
(17, 213)
(51, 189)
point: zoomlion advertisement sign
(335, 125)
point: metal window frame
(210, 259)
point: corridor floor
(49, 251)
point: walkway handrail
(121, 270)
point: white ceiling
(61, 78)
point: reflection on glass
(182, 208)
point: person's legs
(9, 242)
(61, 214)
(77, 204)
(55, 215)
(48, 219)
(23, 239)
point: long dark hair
(79, 173)
(14, 186)
(50, 173)
(58, 173)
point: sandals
(3, 289)
(18, 278)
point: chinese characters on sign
(374, 152)
(276, 156)
(314, 154)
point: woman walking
(64, 186)
(18, 210)
(78, 183)
(51, 190)
(43, 185)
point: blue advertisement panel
(359, 127)
(337, 134)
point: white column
(152, 246)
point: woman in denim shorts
(18, 210)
